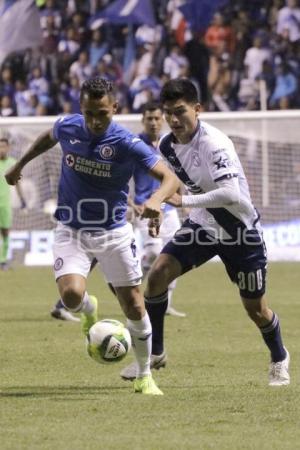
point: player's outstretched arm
(43, 143)
(169, 185)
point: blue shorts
(245, 260)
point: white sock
(85, 306)
(171, 288)
(141, 335)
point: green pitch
(54, 397)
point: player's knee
(71, 296)
(159, 276)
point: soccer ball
(108, 341)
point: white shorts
(115, 251)
(169, 226)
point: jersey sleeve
(65, 125)
(57, 128)
(144, 154)
(221, 160)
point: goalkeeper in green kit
(6, 162)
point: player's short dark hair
(97, 88)
(151, 106)
(179, 88)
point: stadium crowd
(246, 42)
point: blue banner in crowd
(19, 26)
(126, 12)
(198, 13)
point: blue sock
(156, 308)
(272, 337)
(59, 304)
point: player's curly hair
(97, 87)
(179, 88)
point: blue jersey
(144, 183)
(95, 172)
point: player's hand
(138, 210)
(175, 200)
(154, 226)
(151, 208)
(13, 175)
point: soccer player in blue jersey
(222, 221)
(98, 160)
(144, 186)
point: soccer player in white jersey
(144, 186)
(222, 221)
(98, 160)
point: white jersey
(208, 158)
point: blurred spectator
(39, 86)
(285, 88)
(198, 57)
(6, 106)
(49, 48)
(50, 10)
(267, 75)
(218, 34)
(176, 23)
(144, 59)
(97, 48)
(174, 62)
(288, 20)
(219, 81)
(255, 56)
(275, 6)
(82, 68)
(23, 99)
(243, 32)
(70, 94)
(143, 88)
(81, 32)
(6, 82)
(109, 68)
(68, 43)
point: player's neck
(154, 139)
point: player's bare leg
(268, 323)
(72, 289)
(60, 312)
